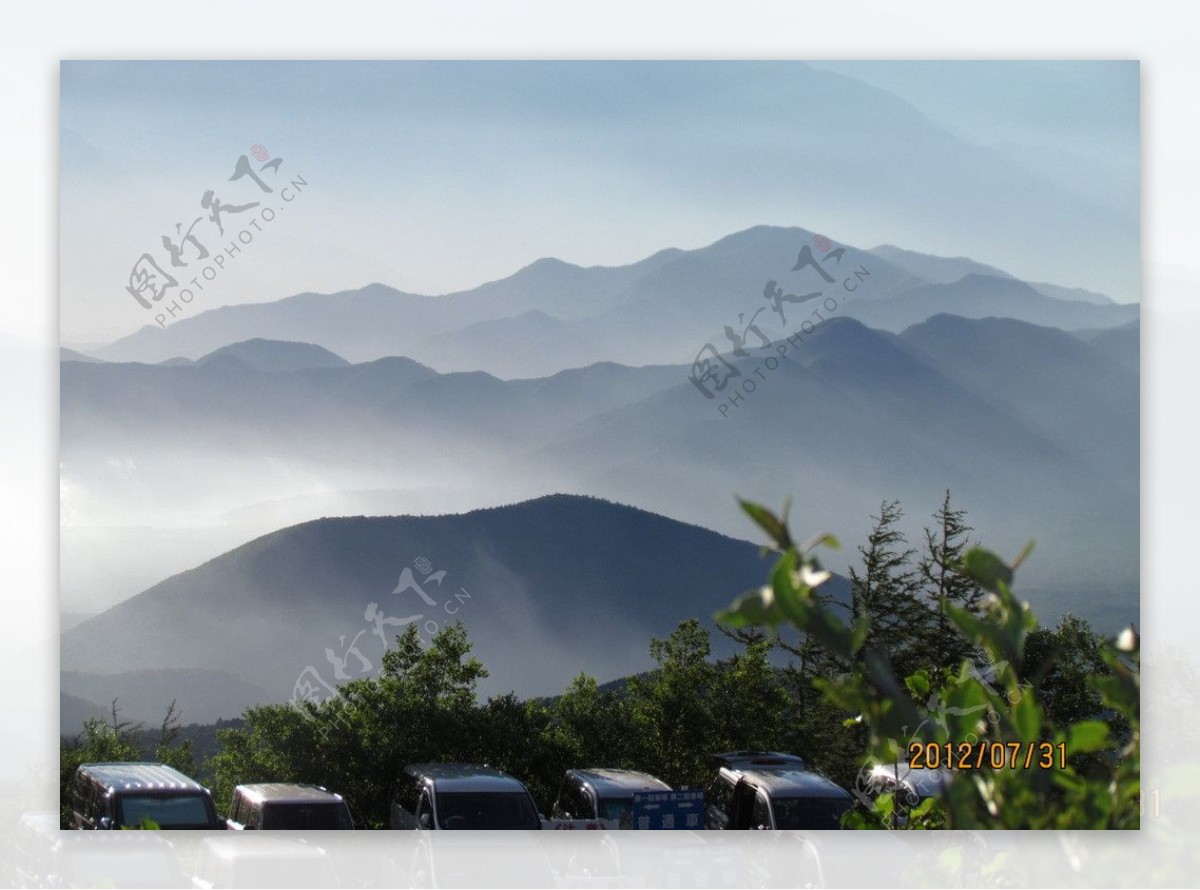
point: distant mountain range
(1121, 343)
(551, 315)
(547, 588)
(247, 423)
(1034, 430)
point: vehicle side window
(720, 794)
(581, 803)
(252, 814)
(760, 816)
(562, 803)
(80, 795)
(410, 793)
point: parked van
(116, 795)
(774, 796)
(279, 806)
(603, 794)
(461, 796)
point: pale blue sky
(434, 177)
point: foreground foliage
(1003, 701)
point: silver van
(272, 806)
(129, 795)
(461, 796)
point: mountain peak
(276, 355)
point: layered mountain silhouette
(546, 588)
(1034, 430)
(1121, 343)
(273, 355)
(552, 315)
(452, 419)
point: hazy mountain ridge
(849, 416)
(946, 270)
(552, 315)
(582, 582)
(276, 355)
(1120, 343)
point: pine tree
(945, 545)
(887, 592)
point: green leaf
(923, 808)
(768, 522)
(1027, 717)
(816, 540)
(1086, 735)
(918, 684)
(754, 608)
(987, 569)
(1022, 556)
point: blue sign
(668, 810)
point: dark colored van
(118, 795)
(603, 794)
(271, 806)
(462, 796)
(776, 796)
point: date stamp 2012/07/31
(987, 755)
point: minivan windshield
(165, 810)
(486, 809)
(295, 816)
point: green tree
(945, 545)
(170, 750)
(1063, 659)
(753, 708)
(885, 592)
(590, 726)
(673, 706)
(421, 707)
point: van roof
(285, 792)
(464, 777)
(619, 781)
(760, 759)
(793, 783)
(137, 776)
